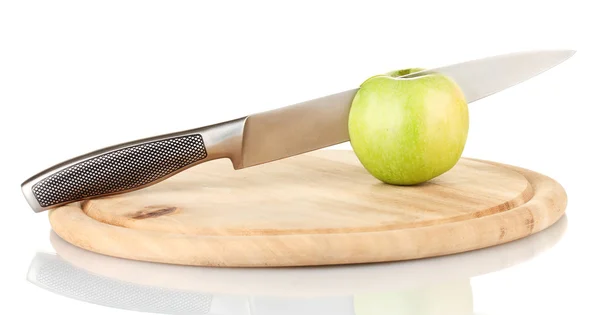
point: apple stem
(403, 72)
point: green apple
(406, 131)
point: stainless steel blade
(483, 77)
(323, 122)
(296, 129)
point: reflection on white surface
(427, 286)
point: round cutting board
(319, 208)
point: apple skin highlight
(406, 131)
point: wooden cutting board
(319, 208)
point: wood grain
(319, 208)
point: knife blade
(323, 122)
(255, 139)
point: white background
(76, 76)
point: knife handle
(133, 165)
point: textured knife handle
(120, 170)
(127, 167)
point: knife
(255, 139)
